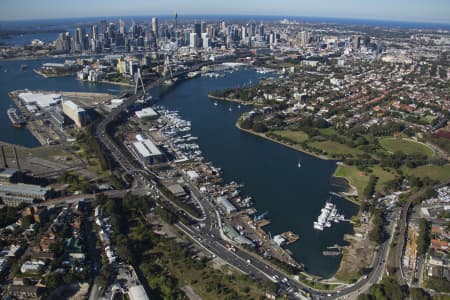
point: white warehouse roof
(146, 148)
(146, 113)
(41, 100)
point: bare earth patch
(357, 255)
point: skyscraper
(155, 27)
(193, 40)
(356, 42)
(121, 26)
(197, 28)
(79, 37)
(202, 27)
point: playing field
(331, 147)
(291, 135)
(392, 144)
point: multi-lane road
(208, 234)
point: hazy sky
(405, 10)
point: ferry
(15, 117)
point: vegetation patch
(406, 146)
(354, 176)
(292, 136)
(330, 147)
(440, 173)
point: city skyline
(418, 11)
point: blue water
(293, 196)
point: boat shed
(235, 236)
(146, 113)
(227, 205)
(146, 150)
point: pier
(290, 237)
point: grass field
(406, 146)
(354, 176)
(360, 179)
(334, 148)
(293, 136)
(383, 177)
(441, 173)
(327, 131)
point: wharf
(262, 223)
(331, 253)
(290, 237)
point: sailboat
(299, 164)
(230, 109)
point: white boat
(318, 226)
(299, 164)
(215, 103)
(230, 109)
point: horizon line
(237, 15)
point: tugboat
(16, 118)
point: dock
(262, 223)
(331, 253)
(290, 237)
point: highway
(207, 233)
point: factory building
(76, 113)
(16, 194)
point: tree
(27, 221)
(259, 127)
(423, 240)
(418, 294)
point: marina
(328, 214)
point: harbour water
(293, 196)
(12, 77)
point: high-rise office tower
(121, 26)
(197, 28)
(193, 40)
(252, 29)
(79, 37)
(203, 27)
(94, 32)
(356, 42)
(155, 27)
(244, 32)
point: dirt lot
(41, 161)
(357, 255)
